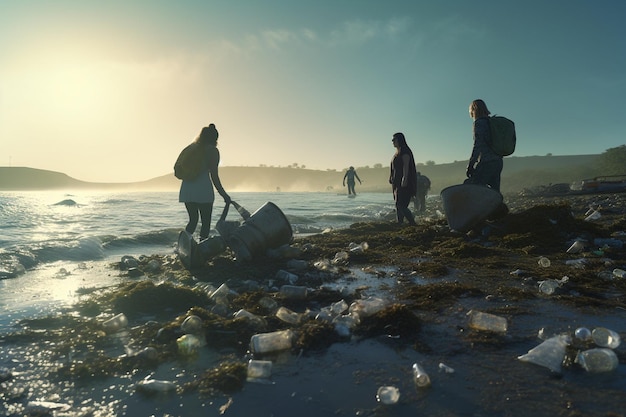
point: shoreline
(434, 277)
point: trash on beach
(597, 360)
(487, 322)
(576, 247)
(296, 292)
(608, 243)
(583, 334)
(549, 354)
(341, 258)
(115, 323)
(154, 386)
(358, 247)
(388, 395)
(188, 344)
(288, 316)
(445, 368)
(420, 377)
(257, 321)
(593, 215)
(271, 342)
(607, 338)
(192, 324)
(549, 286)
(576, 263)
(619, 273)
(367, 307)
(287, 276)
(544, 262)
(259, 371)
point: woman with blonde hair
(485, 166)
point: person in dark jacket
(485, 166)
(403, 178)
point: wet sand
(431, 278)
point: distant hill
(518, 173)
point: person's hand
(470, 171)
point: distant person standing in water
(485, 166)
(423, 185)
(403, 178)
(198, 194)
(350, 176)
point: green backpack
(503, 138)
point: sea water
(38, 228)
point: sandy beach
(427, 279)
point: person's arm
(357, 177)
(214, 161)
(406, 160)
(344, 178)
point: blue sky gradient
(111, 91)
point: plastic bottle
(388, 395)
(220, 293)
(367, 307)
(583, 334)
(544, 262)
(188, 344)
(594, 215)
(288, 316)
(115, 323)
(577, 247)
(420, 376)
(257, 321)
(192, 324)
(340, 258)
(259, 370)
(297, 264)
(286, 276)
(485, 321)
(598, 360)
(272, 342)
(607, 338)
(548, 286)
(619, 273)
(151, 386)
(294, 292)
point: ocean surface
(40, 228)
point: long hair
(478, 108)
(208, 135)
(401, 141)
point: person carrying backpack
(197, 193)
(485, 165)
(423, 185)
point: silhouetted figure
(198, 194)
(485, 166)
(423, 185)
(349, 177)
(403, 178)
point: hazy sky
(111, 91)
